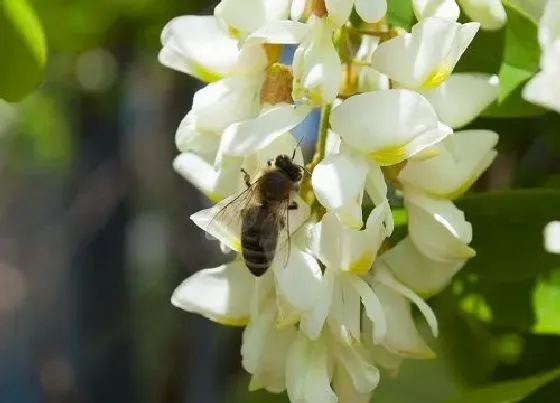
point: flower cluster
(337, 305)
(544, 88)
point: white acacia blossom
(544, 88)
(333, 313)
(489, 13)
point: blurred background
(94, 234)
(94, 229)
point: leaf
(23, 50)
(521, 53)
(513, 53)
(512, 281)
(508, 233)
(400, 14)
(507, 392)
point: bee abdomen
(259, 236)
(257, 259)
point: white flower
(489, 13)
(402, 338)
(549, 25)
(447, 9)
(424, 58)
(346, 254)
(544, 88)
(316, 65)
(220, 294)
(460, 160)
(195, 45)
(242, 18)
(310, 368)
(437, 228)
(388, 126)
(462, 97)
(418, 272)
(552, 237)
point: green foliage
(400, 14)
(513, 53)
(22, 48)
(510, 391)
(508, 238)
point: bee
(262, 221)
(262, 209)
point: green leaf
(508, 237)
(507, 392)
(400, 14)
(23, 50)
(508, 233)
(514, 54)
(521, 54)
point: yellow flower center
(391, 155)
(277, 86)
(438, 76)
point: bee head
(286, 165)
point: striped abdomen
(259, 236)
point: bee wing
(223, 220)
(291, 221)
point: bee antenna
(297, 145)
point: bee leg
(292, 205)
(246, 177)
(269, 162)
(282, 223)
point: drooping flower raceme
(335, 306)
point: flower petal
(425, 57)
(279, 32)
(338, 11)
(376, 187)
(446, 9)
(312, 321)
(345, 389)
(462, 97)
(390, 126)
(438, 228)
(423, 275)
(316, 66)
(544, 88)
(215, 184)
(300, 279)
(489, 13)
(224, 102)
(451, 173)
(338, 181)
(190, 138)
(247, 137)
(373, 308)
(253, 14)
(385, 277)
(307, 377)
(195, 45)
(552, 237)
(371, 10)
(222, 294)
(549, 27)
(363, 375)
(403, 337)
(264, 350)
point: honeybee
(262, 210)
